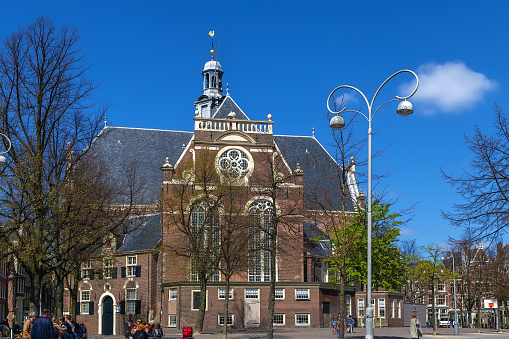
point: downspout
(148, 289)
(179, 296)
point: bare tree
(484, 186)
(50, 119)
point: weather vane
(211, 33)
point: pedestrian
(414, 327)
(350, 322)
(27, 326)
(140, 332)
(158, 331)
(43, 327)
(69, 334)
(150, 331)
(337, 327)
(84, 333)
(333, 323)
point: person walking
(43, 327)
(350, 322)
(158, 331)
(140, 332)
(414, 327)
(27, 326)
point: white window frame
(441, 297)
(108, 265)
(206, 300)
(84, 302)
(221, 294)
(360, 308)
(86, 267)
(130, 303)
(441, 287)
(172, 320)
(252, 293)
(278, 324)
(281, 295)
(230, 319)
(302, 294)
(348, 304)
(399, 308)
(381, 307)
(307, 315)
(172, 294)
(130, 270)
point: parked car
(444, 322)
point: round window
(234, 163)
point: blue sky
(284, 57)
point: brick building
(167, 289)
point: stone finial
(269, 116)
(232, 115)
(361, 199)
(313, 132)
(167, 166)
(196, 111)
(298, 170)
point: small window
(441, 287)
(86, 269)
(360, 308)
(172, 320)
(302, 320)
(220, 319)
(131, 266)
(279, 319)
(221, 294)
(108, 268)
(173, 294)
(85, 302)
(280, 294)
(302, 294)
(130, 296)
(252, 293)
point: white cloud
(450, 87)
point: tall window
(360, 307)
(381, 308)
(348, 304)
(130, 300)
(441, 300)
(261, 244)
(85, 302)
(205, 230)
(108, 268)
(131, 266)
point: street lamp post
(405, 108)
(456, 325)
(3, 160)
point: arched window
(206, 81)
(261, 243)
(205, 232)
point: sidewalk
(319, 333)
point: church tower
(212, 95)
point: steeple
(212, 95)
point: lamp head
(405, 108)
(337, 122)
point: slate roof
(320, 169)
(145, 236)
(317, 248)
(144, 149)
(229, 105)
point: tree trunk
(226, 298)
(433, 309)
(201, 312)
(272, 290)
(479, 316)
(342, 305)
(59, 296)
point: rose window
(234, 163)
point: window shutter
(138, 271)
(114, 273)
(91, 275)
(90, 307)
(122, 307)
(122, 272)
(78, 309)
(137, 307)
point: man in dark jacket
(43, 326)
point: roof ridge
(148, 129)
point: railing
(247, 126)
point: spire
(212, 94)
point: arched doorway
(107, 316)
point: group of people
(142, 330)
(57, 328)
(349, 324)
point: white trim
(100, 312)
(284, 319)
(308, 322)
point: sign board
(490, 303)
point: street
(320, 333)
